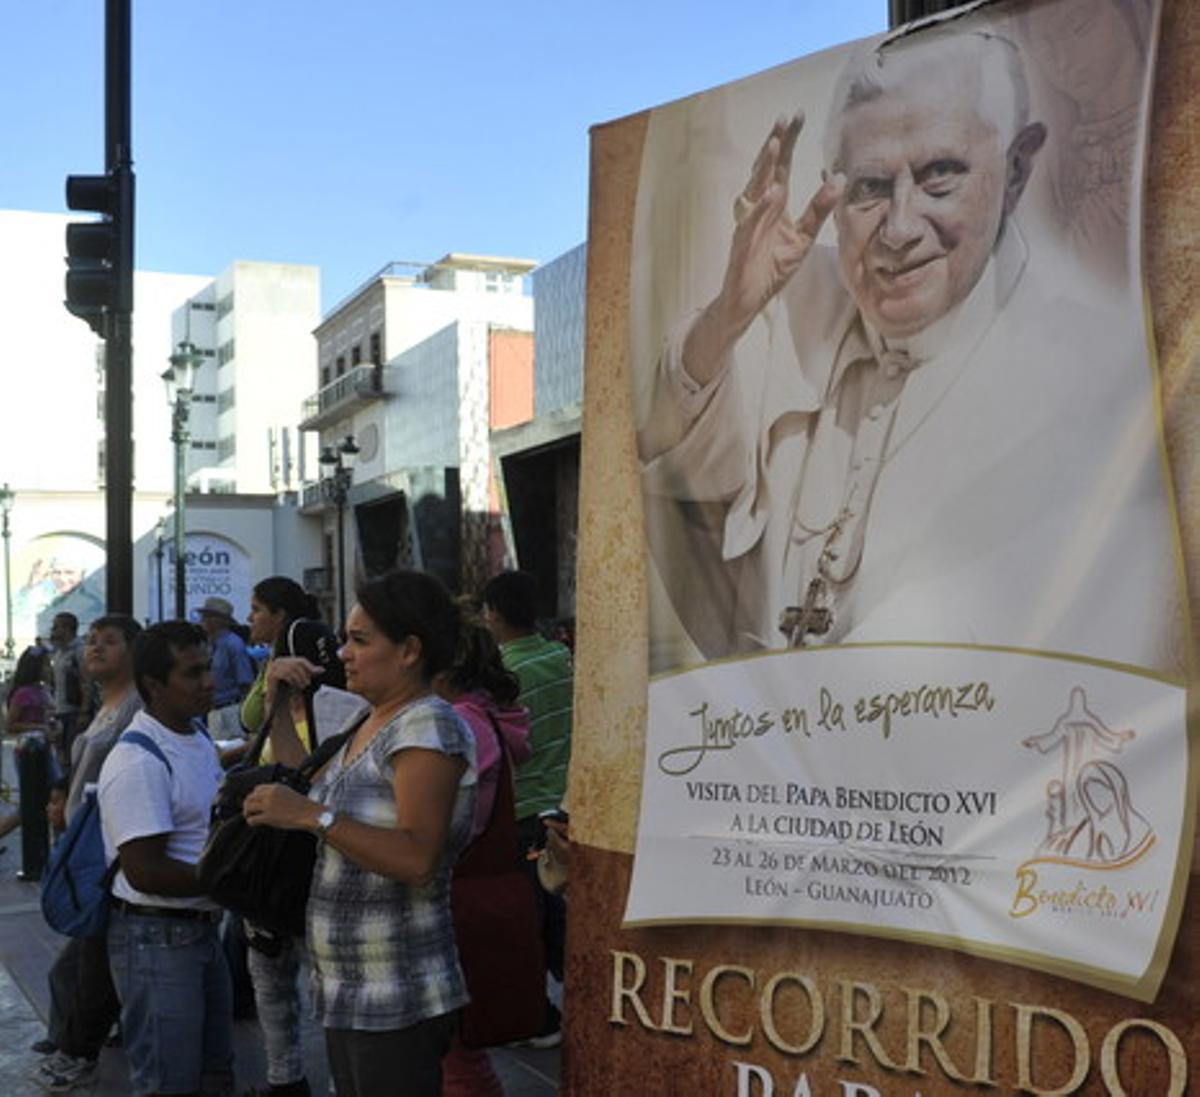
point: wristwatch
(324, 821)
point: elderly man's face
(924, 201)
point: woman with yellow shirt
(274, 960)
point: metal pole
(340, 489)
(158, 557)
(118, 393)
(8, 615)
(179, 436)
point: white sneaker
(60, 1072)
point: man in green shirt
(547, 679)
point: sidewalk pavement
(28, 948)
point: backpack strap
(141, 739)
(146, 743)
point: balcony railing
(314, 495)
(357, 386)
(318, 580)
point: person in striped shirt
(547, 676)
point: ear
(410, 651)
(1021, 154)
(154, 689)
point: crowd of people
(428, 818)
(50, 692)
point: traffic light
(100, 253)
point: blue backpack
(76, 886)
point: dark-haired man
(232, 668)
(547, 679)
(167, 962)
(83, 1003)
(66, 662)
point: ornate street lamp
(6, 502)
(180, 380)
(160, 537)
(338, 461)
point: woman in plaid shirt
(392, 810)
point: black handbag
(262, 873)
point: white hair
(993, 62)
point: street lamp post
(339, 460)
(160, 537)
(180, 380)
(6, 502)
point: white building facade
(52, 420)
(405, 368)
(252, 326)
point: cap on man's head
(216, 607)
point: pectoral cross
(798, 622)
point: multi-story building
(538, 454)
(52, 424)
(417, 366)
(52, 430)
(252, 326)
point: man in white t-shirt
(167, 963)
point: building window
(203, 444)
(226, 447)
(341, 364)
(225, 353)
(356, 354)
(225, 306)
(202, 306)
(376, 349)
(206, 352)
(203, 398)
(225, 399)
(325, 375)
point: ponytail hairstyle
(278, 592)
(477, 663)
(30, 667)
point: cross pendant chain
(813, 618)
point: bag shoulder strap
(258, 741)
(141, 739)
(329, 748)
(146, 743)
(494, 848)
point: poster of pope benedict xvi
(914, 578)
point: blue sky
(351, 134)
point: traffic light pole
(118, 333)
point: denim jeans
(176, 1003)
